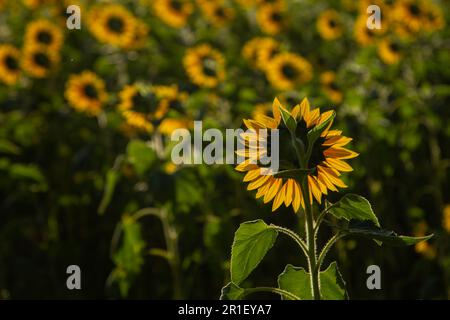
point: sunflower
(170, 97)
(114, 24)
(168, 125)
(216, 12)
(9, 64)
(424, 248)
(85, 92)
(204, 65)
(259, 51)
(270, 17)
(329, 86)
(329, 25)
(446, 218)
(389, 51)
(326, 160)
(410, 13)
(288, 70)
(34, 4)
(363, 35)
(140, 108)
(174, 13)
(39, 61)
(261, 110)
(45, 33)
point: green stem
(311, 242)
(270, 289)
(294, 236)
(327, 247)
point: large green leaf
(231, 292)
(251, 242)
(112, 177)
(352, 206)
(369, 230)
(297, 281)
(316, 131)
(140, 155)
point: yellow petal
(289, 192)
(262, 190)
(340, 153)
(279, 199)
(252, 175)
(337, 141)
(338, 164)
(296, 111)
(276, 184)
(304, 109)
(258, 182)
(333, 178)
(276, 110)
(315, 189)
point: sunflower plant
(312, 158)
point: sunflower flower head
(306, 144)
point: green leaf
(288, 120)
(231, 292)
(251, 242)
(140, 155)
(8, 147)
(297, 174)
(112, 177)
(297, 281)
(316, 131)
(352, 206)
(369, 230)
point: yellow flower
(216, 12)
(9, 64)
(174, 13)
(168, 125)
(39, 61)
(115, 25)
(86, 93)
(363, 35)
(326, 161)
(261, 110)
(389, 51)
(424, 247)
(34, 4)
(270, 17)
(45, 33)
(329, 25)
(446, 218)
(140, 108)
(204, 65)
(259, 51)
(328, 80)
(288, 70)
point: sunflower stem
(311, 242)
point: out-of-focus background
(86, 116)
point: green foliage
(251, 242)
(297, 281)
(352, 206)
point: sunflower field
(92, 91)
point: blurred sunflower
(174, 13)
(85, 92)
(288, 70)
(259, 51)
(216, 12)
(261, 110)
(114, 24)
(204, 65)
(9, 64)
(329, 25)
(424, 248)
(168, 125)
(410, 13)
(326, 159)
(329, 86)
(34, 4)
(270, 17)
(389, 51)
(139, 106)
(363, 35)
(446, 218)
(39, 61)
(45, 33)
(170, 97)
